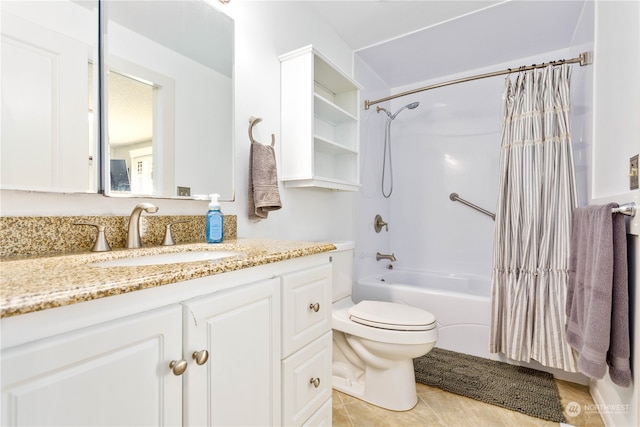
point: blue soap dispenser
(214, 230)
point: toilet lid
(389, 315)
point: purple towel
(597, 294)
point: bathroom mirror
(169, 91)
(168, 98)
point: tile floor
(440, 408)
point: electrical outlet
(184, 191)
(633, 173)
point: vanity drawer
(306, 381)
(322, 417)
(306, 307)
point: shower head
(409, 106)
(393, 116)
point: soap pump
(214, 230)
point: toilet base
(374, 385)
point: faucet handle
(101, 244)
(378, 223)
(168, 238)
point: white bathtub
(461, 304)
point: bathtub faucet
(380, 256)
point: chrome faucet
(133, 236)
(380, 256)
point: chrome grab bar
(455, 198)
(628, 209)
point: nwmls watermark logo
(573, 409)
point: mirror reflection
(169, 91)
(48, 140)
(168, 98)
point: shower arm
(455, 198)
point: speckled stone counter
(31, 284)
(22, 235)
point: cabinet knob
(178, 366)
(315, 382)
(315, 307)
(200, 357)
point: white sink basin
(168, 258)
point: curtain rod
(585, 58)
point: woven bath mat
(517, 388)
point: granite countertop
(31, 284)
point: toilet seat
(341, 322)
(392, 316)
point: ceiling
(364, 23)
(403, 42)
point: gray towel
(618, 357)
(597, 294)
(263, 181)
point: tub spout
(380, 256)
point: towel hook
(252, 122)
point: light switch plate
(633, 173)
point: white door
(114, 374)
(142, 171)
(240, 382)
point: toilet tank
(342, 265)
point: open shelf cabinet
(320, 138)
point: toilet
(375, 342)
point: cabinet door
(240, 382)
(115, 374)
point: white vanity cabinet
(320, 107)
(139, 358)
(116, 372)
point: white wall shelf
(320, 109)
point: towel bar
(626, 209)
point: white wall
(616, 138)
(617, 93)
(264, 30)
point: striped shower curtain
(536, 196)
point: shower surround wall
(451, 143)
